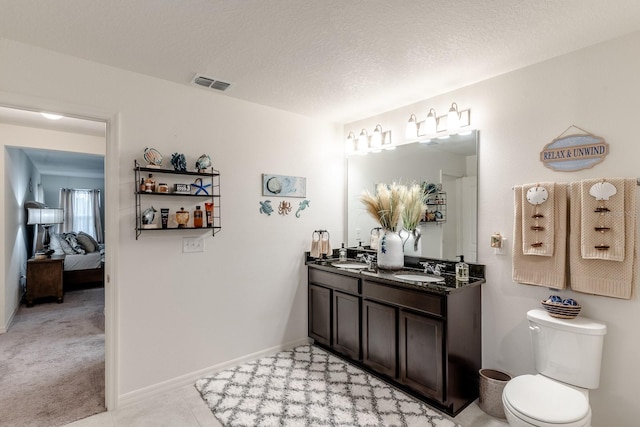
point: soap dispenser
(343, 254)
(462, 270)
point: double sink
(405, 274)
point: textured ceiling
(339, 60)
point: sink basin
(419, 278)
(352, 265)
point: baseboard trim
(5, 328)
(139, 395)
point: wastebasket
(492, 384)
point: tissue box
(182, 188)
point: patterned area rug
(307, 386)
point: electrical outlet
(192, 244)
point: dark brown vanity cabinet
(334, 312)
(320, 314)
(379, 337)
(420, 352)
(425, 342)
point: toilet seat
(543, 402)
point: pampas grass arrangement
(386, 205)
(414, 207)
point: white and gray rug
(307, 386)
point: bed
(83, 261)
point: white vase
(413, 243)
(390, 254)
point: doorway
(73, 148)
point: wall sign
(569, 153)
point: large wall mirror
(451, 162)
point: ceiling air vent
(209, 82)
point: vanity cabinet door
(420, 353)
(346, 324)
(379, 337)
(320, 314)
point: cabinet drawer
(335, 281)
(403, 297)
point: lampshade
(453, 118)
(45, 216)
(431, 123)
(412, 127)
(363, 141)
(351, 142)
(376, 138)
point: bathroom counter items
(424, 338)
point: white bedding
(82, 261)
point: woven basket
(561, 311)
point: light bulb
(412, 127)
(453, 118)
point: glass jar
(182, 218)
(150, 184)
(163, 188)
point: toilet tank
(567, 350)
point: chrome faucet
(369, 259)
(434, 269)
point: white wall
(182, 313)
(18, 169)
(517, 114)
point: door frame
(112, 155)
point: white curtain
(81, 212)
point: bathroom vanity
(423, 338)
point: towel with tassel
(547, 271)
(601, 276)
(538, 228)
(602, 218)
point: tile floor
(185, 408)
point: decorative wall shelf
(175, 201)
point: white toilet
(567, 354)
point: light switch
(192, 244)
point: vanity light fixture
(363, 142)
(431, 123)
(351, 143)
(412, 127)
(376, 139)
(51, 116)
(453, 118)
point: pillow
(60, 244)
(86, 242)
(90, 237)
(73, 242)
(54, 243)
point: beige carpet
(52, 362)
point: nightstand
(44, 278)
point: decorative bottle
(462, 270)
(197, 217)
(342, 256)
(208, 207)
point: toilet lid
(541, 398)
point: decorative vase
(413, 243)
(390, 254)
